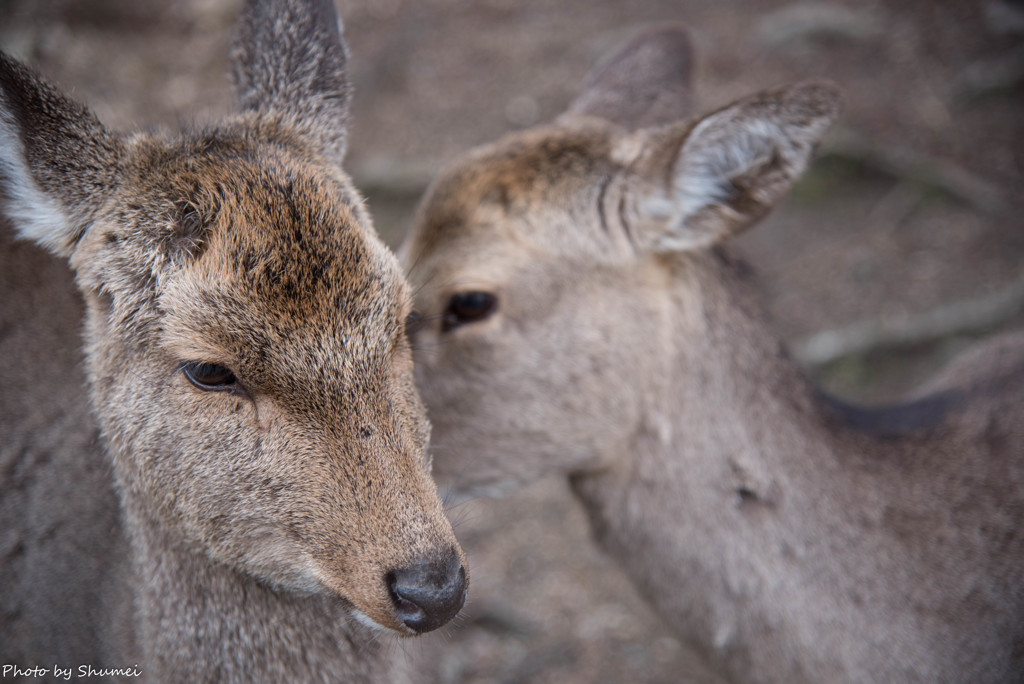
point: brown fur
(789, 537)
(261, 522)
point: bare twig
(945, 321)
(904, 163)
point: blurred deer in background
(251, 376)
(581, 313)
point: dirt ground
(915, 203)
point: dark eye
(468, 307)
(210, 377)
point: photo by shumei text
(57, 672)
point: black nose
(428, 594)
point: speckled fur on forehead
(286, 262)
(513, 176)
(289, 225)
(287, 235)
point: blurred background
(902, 246)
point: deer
(581, 313)
(246, 496)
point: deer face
(246, 335)
(525, 319)
(554, 268)
(259, 389)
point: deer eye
(210, 377)
(468, 307)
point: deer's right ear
(646, 82)
(703, 183)
(57, 162)
(288, 63)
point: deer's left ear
(646, 82)
(707, 181)
(288, 63)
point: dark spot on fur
(746, 496)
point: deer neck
(730, 434)
(199, 620)
(725, 390)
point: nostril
(408, 611)
(427, 594)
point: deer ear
(646, 82)
(57, 162)
(288, 63)
(713, 179)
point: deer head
(549, 264)
(246, 339)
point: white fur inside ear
(719, 151)
(733, 166)
(35, 216)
